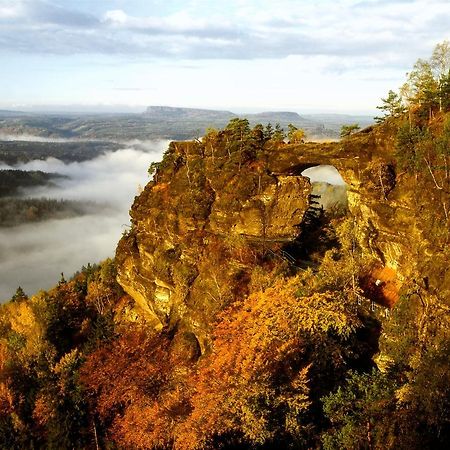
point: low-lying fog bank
(33, 256)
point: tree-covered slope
(253, 319)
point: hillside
(245, 316)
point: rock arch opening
(329, 190)
(328, 201)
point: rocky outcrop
(199, 228)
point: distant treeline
(16, 211)
(14, 152)
(11, 180)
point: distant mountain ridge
(171, 112)
(180, 112)
(164, 122)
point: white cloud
(84, 52)
(244, 31)
(9, 11)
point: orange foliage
(6, 400)
(258, 369)
(133, 385)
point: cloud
(9, 11)
(42, 13)
(34, 255)
(248, 30)
(46, 13)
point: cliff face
(206, 220)
(198, 231)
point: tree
(19, 295)
(347, 130)
(444, 92)
(268, 132)
(278, 134)
(238, 128)
(153, 168)
(255, 386)
(440, 65)
(238, 135)
(258, 135)
(359, 412)
(295, 135)
(408, 150)
(424, 86)
(392, 106)
(132, 389)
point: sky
(239, 55)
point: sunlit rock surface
(199, 227)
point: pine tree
(392, 106)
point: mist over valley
(32, 255)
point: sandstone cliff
(209, 216)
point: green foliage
(429, 395)
(443, 141)
(392, 106)
(258, 135)
(423, 84)
(444, 92)
(16, 341)
(359, 411)
(19, 295)
(268, 132)
(238, 128)
(12, 180)
(153, 168)
(408, 150)
(347, 130)
(14, 152)
(278, 134)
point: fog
(332, 196)
(324, 173)
(34, 255)
(32, 138)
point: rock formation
(201, 225)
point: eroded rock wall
(199, 228)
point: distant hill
(7, 113)
(172, 113)
(169, 112)
(163, 122)
(335, 121)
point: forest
(333, 354)
(12, 180)
(15, 151)
(16, 210)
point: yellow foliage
(258, 343)
(22, 318)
